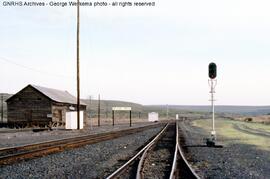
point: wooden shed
(40, 106)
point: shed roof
(56, 95)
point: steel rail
(182, 156)
(140, 165)
(174, 165)
(7, 159)
(139, 174)
(49, 142)
(40, 149)
(187, 164)
(123, 167)
(178, 156)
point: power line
(33, 69)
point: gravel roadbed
(29, 137)
(91, 161)
(159, 158)
(234, 160)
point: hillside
(106, 107)
(241, 110)
(5, 97)
(172, 111)
(142, 111)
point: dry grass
(262, 119)
(108, 121)
(225, 128)
(122, 120)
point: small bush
(248, 119)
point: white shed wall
(71, 120)
(153, 116)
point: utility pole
(91, 123)
(2, 108)
(78, 64)
(106, 110)
(130, 118)
(167, 112)
(112, 117)
(99, 110)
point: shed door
(58, 115)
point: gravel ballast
(234, 160)
(91, 161)
(29, 137)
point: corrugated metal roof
(57, 95)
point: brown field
(261, 119)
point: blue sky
(153, 55)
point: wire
(33, 69)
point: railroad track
(248, 130)
(160, 158)
(11, 155)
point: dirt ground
(261, 119)
(108, 121)
(245, 152)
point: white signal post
(213, 84)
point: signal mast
(212, 73)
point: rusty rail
(119, 171)
(178, 158)
(11, 155)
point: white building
(153, 117)
(71, 120)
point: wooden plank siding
(63, 108)
(29, 105)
